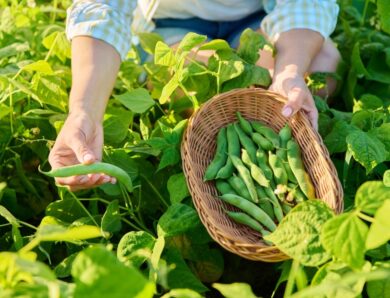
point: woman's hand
(79, 141)
(293, 86)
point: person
(101, 34)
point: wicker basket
(198, 149)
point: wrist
(85, 112)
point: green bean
(224, 187)
(285, 135)
(262, 142)
(275, 202)
(239, 187)
(297, 167)
(282, 154)
(256, 172)
(245, 124)
(233, 145)
(277, 167)
(262, 162)
(265, 202)
(97, 167)
(245, 219)
(251, 209)
(220, 157)
(246, 177)
(246, 142)
(266, 131)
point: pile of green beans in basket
(260, 172)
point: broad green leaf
(158, 248)
(171, 156)
(207, 263)
(379, 232)
(235, 290)
(380, 288)
(116, 125)
(137, 100)
(190, 40)
(180, 276)
(382, 134)
(60, 233)
(177, 187)
(250, 44)
(366, 149)
(383, 7)
(371, 195)
(8, 216)
(363, 119)
(344, 237)
(229, 69)
(335, 141)
(357, 62)
(67, 210)
(298, 234)
(58, 44)
(40, 66)
(182, 293)
(163, 55)
(98, 273)
(14, 49)
(63, 269)
(111, 220)
(135, 248)
(123, 160)
(178, 219)
(168, 89)
(148, 41)
(386, 178)
(252, 75)
(378, 70)
(215, 44)
(367, 102)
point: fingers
(81, 149)
(75, 183)
(301, 99)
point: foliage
(54, 242)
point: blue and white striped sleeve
(108, 20)
(317, 15)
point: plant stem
(156, 191)
(365, 217)
(85, 209)
(291, 279)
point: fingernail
(106, 179)
(88, 157)
(113, 181)
(287, 111)
(83, 179)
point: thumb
(81, 150)
(295, 101)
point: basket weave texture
(198, 149)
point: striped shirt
(118, 21)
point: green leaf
(207, 263)
(382, 134)
(366, 149)
(67, 210)
(367, 102)
(190, 40)
(180, 276)
(63, 269)
(58, 44)
(379, 232)
(357, 62)
(181, 293)
(344, 237)
(380, 288)
(386, 178)
(14, 49)
(135, 248)
(383, 7)
(298, 234)
(116, 125)
(371, 195)
(170, 157)
(40, 66)
(52, 232)
(215, 44)
(137, 100)
(235, 290)
(111, 220)
(177, 188)
(250, 44)
(168, 89)
(229, 69)
(178, 219)
(335, 141)
(252, 75)
(98, 273)
(8, 216)
(148, 41)
(163, 55)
